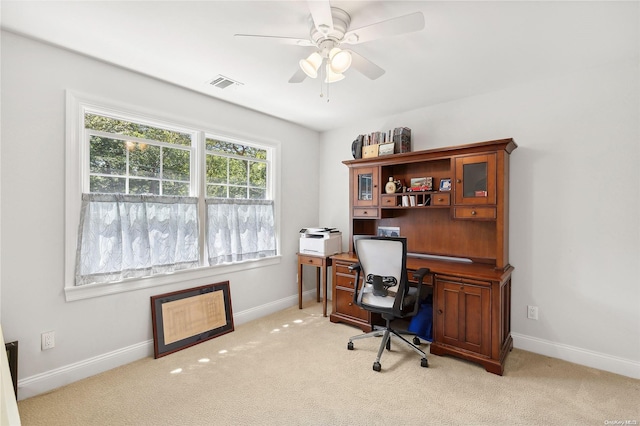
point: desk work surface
(444, 267)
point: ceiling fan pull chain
(323, 79)
(327, 86)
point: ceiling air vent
(223, 82)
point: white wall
(575, 194)
(575, 198)
(100, 333)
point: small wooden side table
(322, 263)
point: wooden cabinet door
(463, 315)
(475, 182)
(365, 187)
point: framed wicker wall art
(187, 317)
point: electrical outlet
(48, 340)
(532, 312)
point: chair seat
(374, 302)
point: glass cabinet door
(475, 181)
(365, 187)
(365, 181)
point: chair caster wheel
(424, 362)
(416, 341)
(350, 346)
(377, 366)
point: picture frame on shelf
(445, 184)
(386, 149)
(421, 184)
(388, 231)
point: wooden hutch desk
(472, 299)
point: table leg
(318, 284)
(299, 285)
(324, 282)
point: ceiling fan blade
(321, 15)
(298, 77)
(365, 66)
(391, 27)
(285, 40)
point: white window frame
(77, 180)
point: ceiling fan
(330, 30)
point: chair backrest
(355, 241)
(384, 257)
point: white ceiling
(466, 48)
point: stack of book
(382, 143)
(402, 139)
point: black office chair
(385, 289)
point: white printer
(320, 241)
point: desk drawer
(343, 268)
(365, 212)
(345, 281)
(311, 260)
(461, 281)
(388, 201)
(479, 213)
(440, 199)
(345, 305)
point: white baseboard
(613, 364)
(266, 309)
(53, 379)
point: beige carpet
(293, 368)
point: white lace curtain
(125, 236)
(239, 229)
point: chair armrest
(356, 267)
(419, 277)
(420, 273)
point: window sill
(89, 291)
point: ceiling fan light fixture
(339, 60)
(352, 38)
(311, 65)
(331, 76)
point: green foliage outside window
(237, 172)
(115, 163)
(127, 128)
(236, 149)
(118, 165)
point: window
(236, 171)
(157, 197)
(239, 218)
(130, 158)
